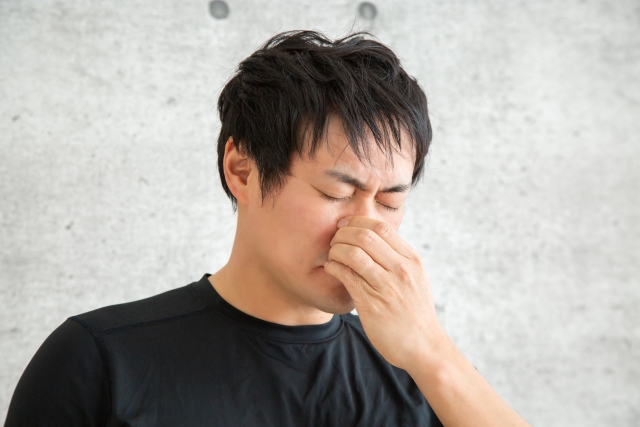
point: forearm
(456, 391)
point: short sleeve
(65, 384)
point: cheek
(316, 223)
(310, 226)
(395, 219)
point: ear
(237, 169)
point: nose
(366, 206)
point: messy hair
(286, 91)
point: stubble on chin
(339, 303)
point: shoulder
(165, 307)
(66, 380)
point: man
(320, 143)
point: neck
(256, 292)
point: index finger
(382, 229)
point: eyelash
(335, 199)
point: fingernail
(331, 242)
(325, 264)
(343, 222)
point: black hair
(287, 89)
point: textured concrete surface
(528, 218)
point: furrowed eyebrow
(348, 179)
(400, 188)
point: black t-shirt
(188, 358)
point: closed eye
(335, 199)
(345, 199)
(387, 207)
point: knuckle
(365, 237)
(383, 229)
(404, 272)
(413, 256)
(353, 277)
(352, 251)
(418, 259)
(355, 253)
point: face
(291, 232)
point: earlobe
(237, 169)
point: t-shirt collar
(297, 334)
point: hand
(389, 288)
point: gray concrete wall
(527, 220)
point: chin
(343, 310)
(331, 296)
(338, 302)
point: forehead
(335, 152)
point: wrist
(432, 354)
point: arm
(65, 384)
(456, 391)
(390, 290)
